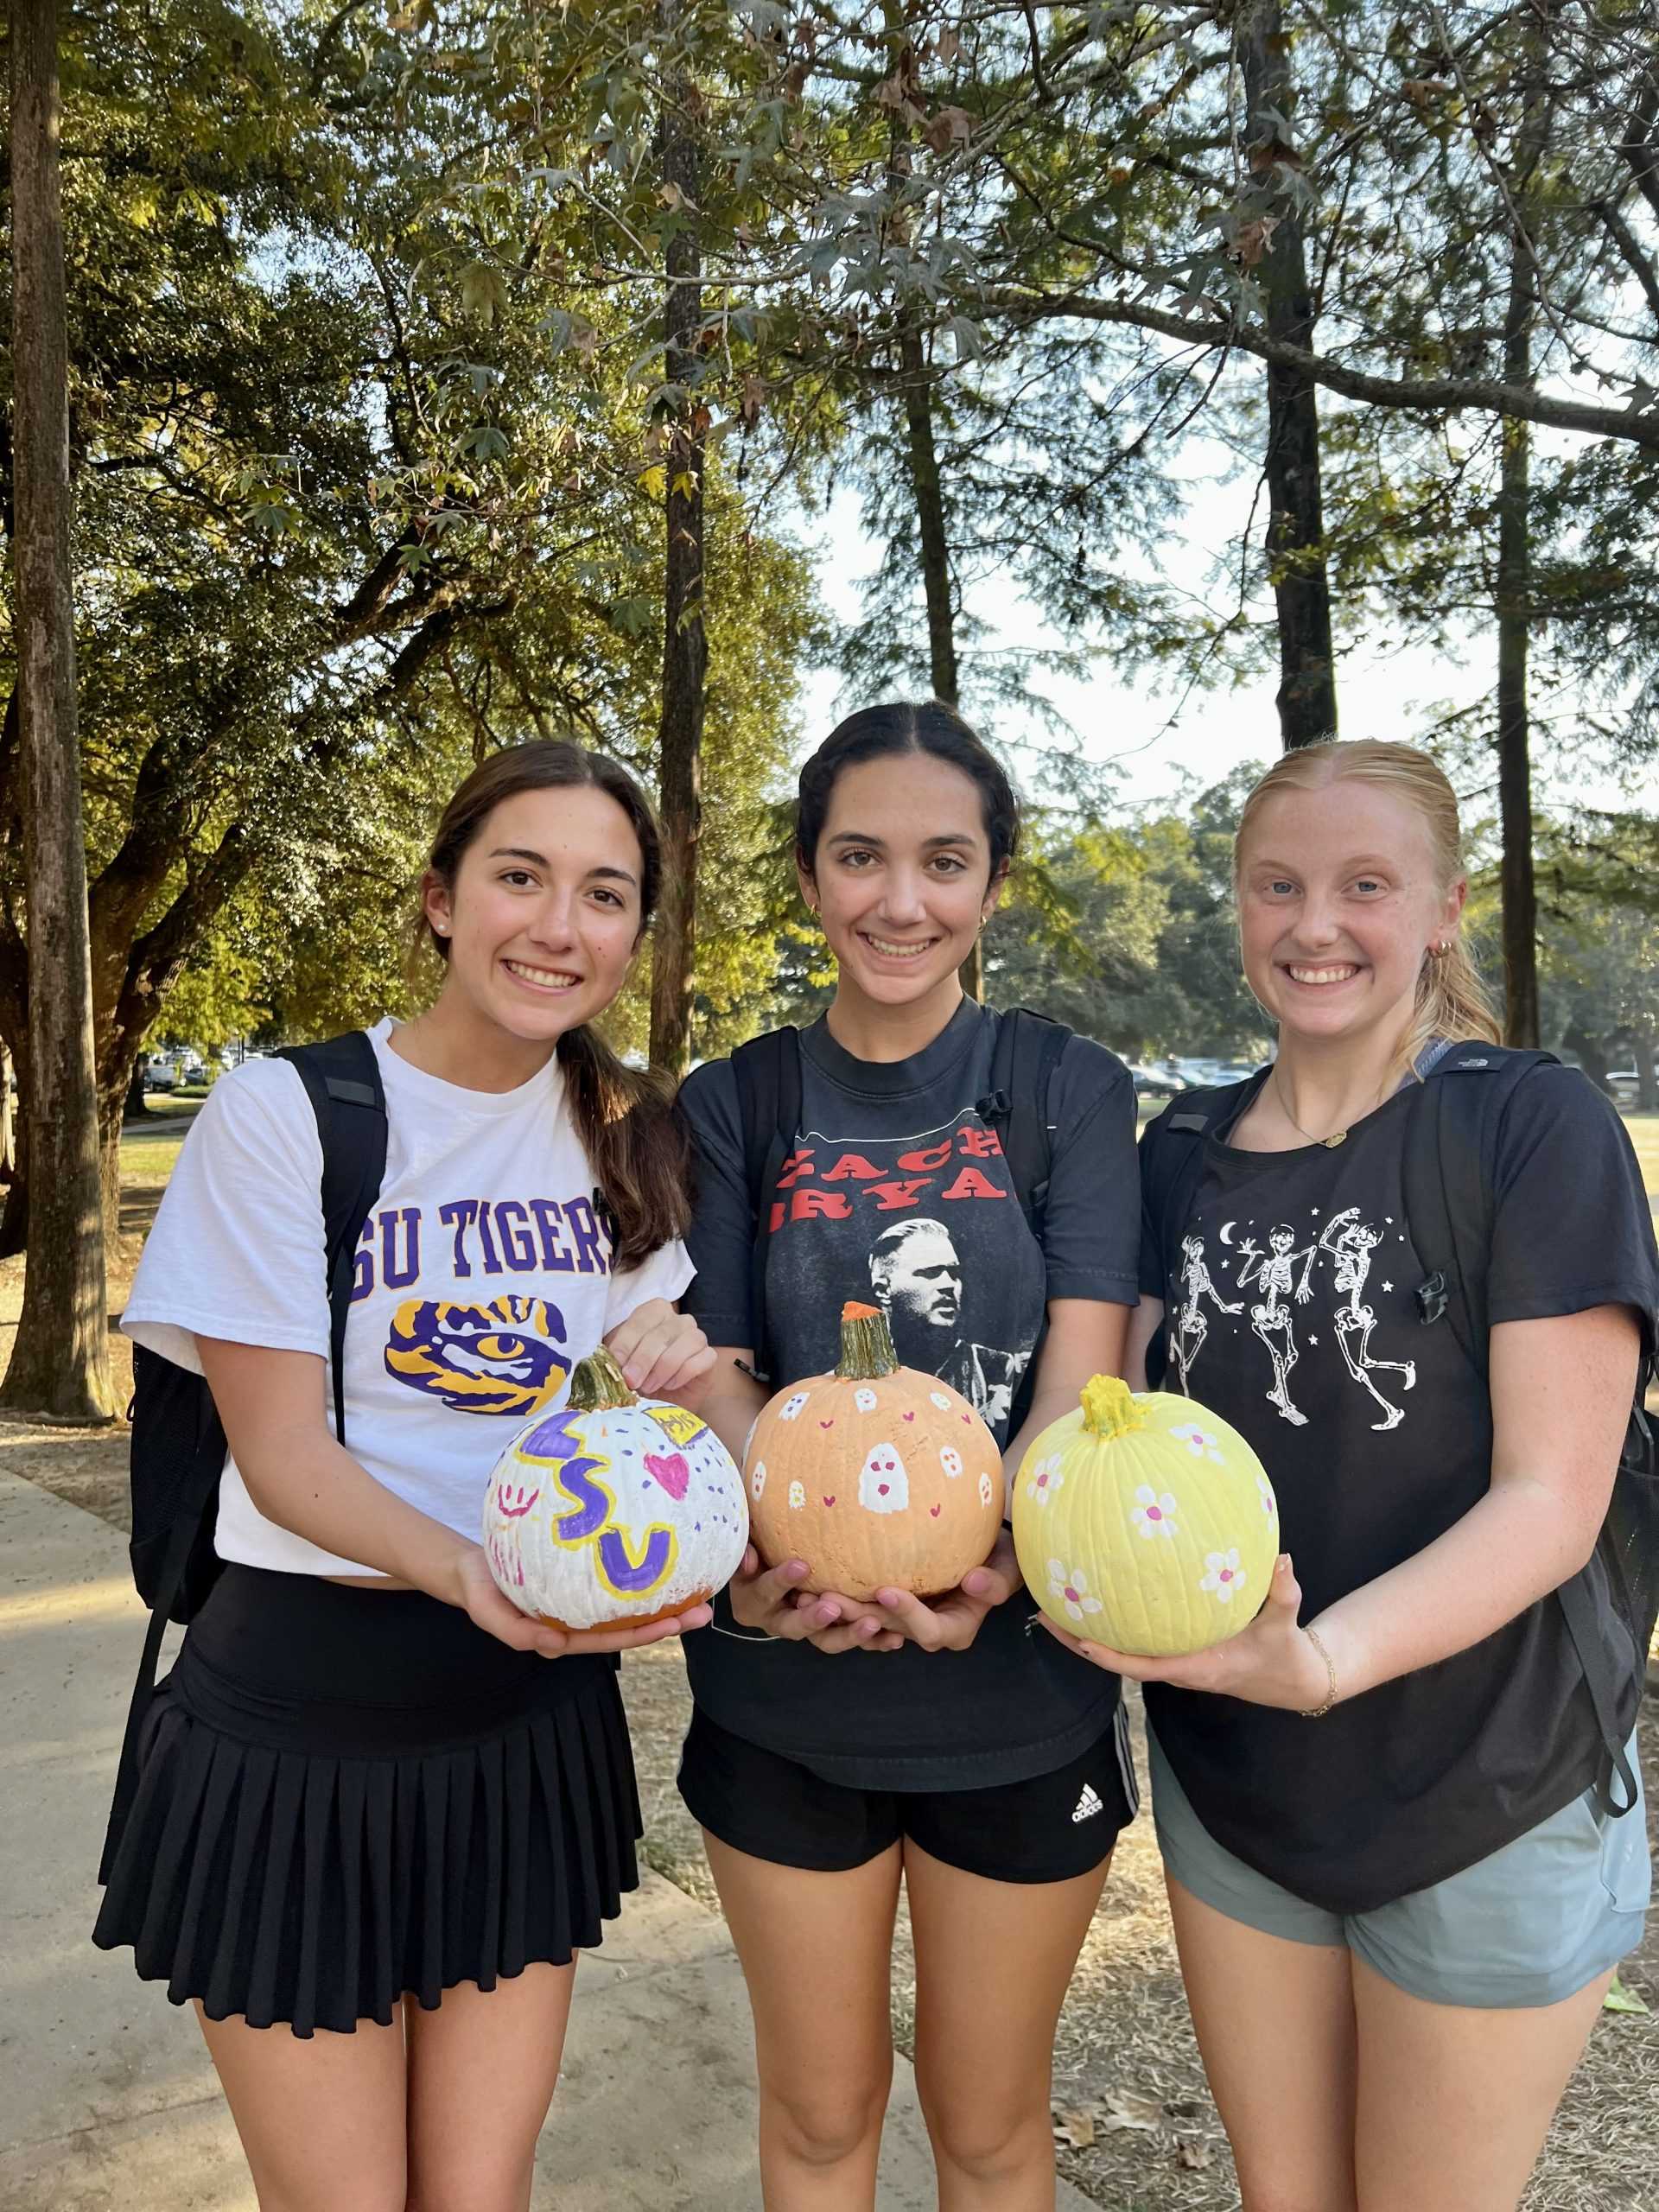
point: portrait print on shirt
(1297, 1289)
(918, 1226)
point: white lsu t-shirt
(483, 1275)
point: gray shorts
(1531, 1924)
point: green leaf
(1620, 1999)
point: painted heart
(672, 1472)
(934, 1510)
(828, 1501)
(828, 1424)
(910, 1416)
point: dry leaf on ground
(1074, 2130)
(1128, 2108)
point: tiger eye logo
(480, 1359)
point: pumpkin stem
(1110, 1407)
(599, 1384)
(867, 1350)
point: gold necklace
(1339, 1136)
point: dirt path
(1128, 2089)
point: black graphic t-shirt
(1290, 1311)
(896, 1192)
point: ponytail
(635, 1143)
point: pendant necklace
(1337, 1137)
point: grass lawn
(1644, 1135)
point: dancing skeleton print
(1283, 1277)
(1350, 1244)
(1191, 1327)
(1274, 1273)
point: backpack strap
(1450, 1163)
(768, 1073)
(342, 1080)
(1023, 1060)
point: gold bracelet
(1319, 1712)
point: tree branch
(1434, 395)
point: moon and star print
(1302, 1283)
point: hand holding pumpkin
(773, 1599)
(952, 1622)
(1269, 1663)
(476, 1593)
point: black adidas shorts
(1047, 1830)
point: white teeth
(895, 951)
(1322, 974)
(550, 978)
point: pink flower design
(1070, 1586)
(1197, 1441)
(1223, 1575)
(1044, 1479)
(1152, 1513)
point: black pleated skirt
(347, 1796)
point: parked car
(161, 1075)
(1154, 1083)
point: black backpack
(178, 1440)
(1451, 1152)
(767, 1073)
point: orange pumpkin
(879, 1477)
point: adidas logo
(1088, 1805)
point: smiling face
(901, 877)
(543, 914)
(1339, 908)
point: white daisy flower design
(1070, 1587)
(1223, 1575)
(1044, 1479)
(1153, 1512)
(1197, 1441)
(1264, 1491)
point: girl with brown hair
(380, 1811)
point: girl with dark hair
(839, 1748)
(379, 1810)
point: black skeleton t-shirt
(1291, 1311)
(896, 1193)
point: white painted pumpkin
(616, 1512)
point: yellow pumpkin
(1144, 1522)
(615, 1511)
(879, 1477)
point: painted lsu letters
(558, 1443)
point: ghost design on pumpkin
(883, 1484)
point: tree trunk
(59, 1363)
(1512, 610)
(934, 545)
(685, 647)
(1296, 538)
(136, 1109)
(1647, 1085)
(7, 1135)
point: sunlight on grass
(1644, 1135)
